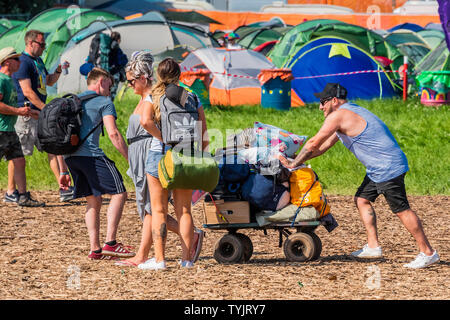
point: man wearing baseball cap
(370, 140)
(10, 147)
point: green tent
(58, 25)
(46, 21)
(11, 23)
(3, 28)
(253, 38)
(58, 39)
(409, 43)
(432, 37)
(363, 38)
(437, 60)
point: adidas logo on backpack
(178, 123)
(59, 124)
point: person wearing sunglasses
(369, 139)
(31, 81)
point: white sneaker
(422, 260)
(151, 264)
(367, 252)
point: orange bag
(306, 190)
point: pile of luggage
(250, 172)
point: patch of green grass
(422, 132)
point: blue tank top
(375, 147)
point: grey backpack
(178, 123)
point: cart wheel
(229, 249)
(248, 246)
(318, 244)
(299, 247)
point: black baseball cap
(332, 90)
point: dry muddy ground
(43, 255)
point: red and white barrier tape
(299, 78)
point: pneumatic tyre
(229, 249)
(299, 247)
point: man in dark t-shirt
(31, 81)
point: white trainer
(151, 264)
(422, 260)
(367, 252)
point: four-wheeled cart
(299, 246)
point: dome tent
(170, 36)
(234, 74)
(363, 38)
(337, 58)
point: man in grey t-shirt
(94, 174)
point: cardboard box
(230, 212)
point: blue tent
(314, 43)
(128, 7)
(336, 58)
(408, 26)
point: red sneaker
(197, 245)
(100, 256)
(118, 250)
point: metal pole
(405, 77)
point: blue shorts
(94, 176)
(151, 164)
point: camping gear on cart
(223, 211)
(235, 247)
(197, 171)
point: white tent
(233, 72)
(147, 33)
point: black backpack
(60, 122)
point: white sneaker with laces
(367, 252)
(151, 264)
(422, 260)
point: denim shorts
(151, 164)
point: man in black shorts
(93, 173)
(10, 147)
(370, 140)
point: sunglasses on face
(131, 82)
(325, 100)
(41, 44)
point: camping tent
(320, 63)
(254, 38)
(365, 39)
(407, 26)
(437, 60)
(234, 74)
(46, 21)
(432, 37)
(58, 26)
(134, 35)
(58, 39)
(410, 43)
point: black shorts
(94, 176)
(393, 190)
(10, 147)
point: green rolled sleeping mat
(197, 172)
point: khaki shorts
(26, 129)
